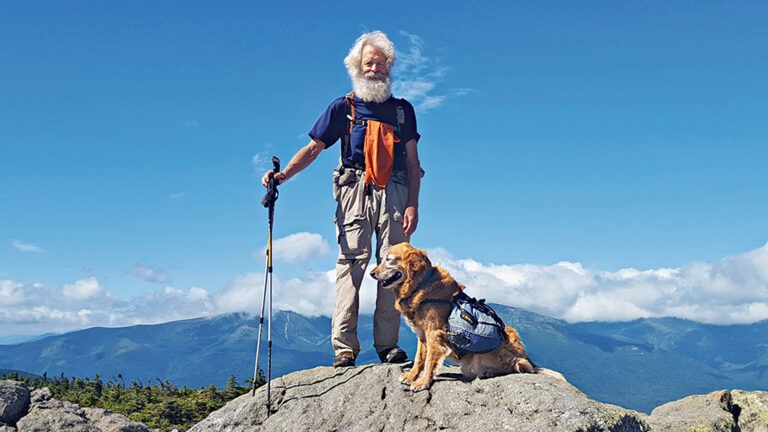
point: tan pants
(362, 212)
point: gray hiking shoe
(344, 359)
(393, 355)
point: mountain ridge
(605, 360)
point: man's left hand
(410, 220)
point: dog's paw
(407, 378)
(420, 385)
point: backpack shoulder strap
(349, 113)
(400, 116)
(350, 101)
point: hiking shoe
(344, 359)
(393, 355)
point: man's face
(374, 63)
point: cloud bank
(733, 290)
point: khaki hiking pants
(362, 212)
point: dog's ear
(415, 261)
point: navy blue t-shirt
(332, 125)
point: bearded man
(376, 187)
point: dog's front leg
(436, 351)
(418, 364)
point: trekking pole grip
(271, 196)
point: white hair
(374, 86)
(375, 38)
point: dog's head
(402, 269)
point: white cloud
(170, 304)
(729, 291)
(31, 308)
(172, 291)
(418, 76)
(259, 161)
(412, 90)
(26, 247)
(83, 289)
(197, 294)
(412, 59)
(150, 275)
(430, 102)
(243, 294)
(44, 314)
(302, 246)
(313, 294)
(11, 293)
(262, 161)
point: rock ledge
(41, 413)
(370, 398)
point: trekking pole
(269, 202)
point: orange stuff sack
(379, 152)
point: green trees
(162, 405)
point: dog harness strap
(423, 282)
(439, 301)
(425, 279)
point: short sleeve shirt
(333, 122)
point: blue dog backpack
(473, 326)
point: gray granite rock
(42, 413)
(54, 415)
(752, 410)
(14, 401)
(41, 395)
(713, 412)
(108, 421)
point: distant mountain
(195, 352)
(645, 363)
(17, 339)
(639, 364)
(7, 373)
(734, 348)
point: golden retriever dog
(409, 273)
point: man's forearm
(413, 167)
(414, 184)
(303, 158)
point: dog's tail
(550, 372)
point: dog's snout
(373, 272)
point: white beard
(372, 88)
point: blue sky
(607, 136)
